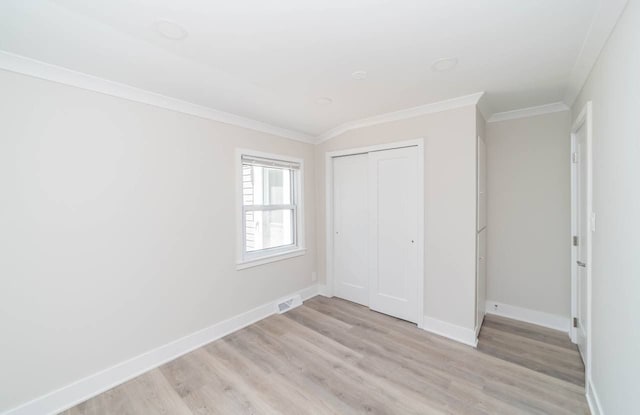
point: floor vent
(289, 303)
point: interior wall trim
(605, 20)
(37, 69)
(592, 399)
(439, 106)
(598, 34)
(529, 112)
(442, 328)
(479, 325)
(551, 321)
(92, 385)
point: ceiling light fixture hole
(359, 75)
(444, 64)
(170, 30)
(324, 101)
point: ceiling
(271, 60)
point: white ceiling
(269, 60)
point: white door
(582, 230)
(351, 228)
(393, 223)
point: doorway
(375, 228)
(583, 225)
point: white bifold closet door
(351, 228)
(393, 225)
(375, 231)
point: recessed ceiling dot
(170, 30)
(359, 75)
(324, 101)
(444, 64)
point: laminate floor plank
(362, 393)
(331, 356)
(114, 400)
(439, 361)
(530, 354)
(540, 349)
(530, 331)
(480, 367)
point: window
(271, 225)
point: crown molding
(529, 112)
(484, 107)
(604, 21)
(49, 72)
(401, 115)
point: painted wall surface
(614, 89)
(529, 213)
(117, 231)
(450, 208)
(481, 277)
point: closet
(376, 229)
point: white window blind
(270, 221)
(265, 162)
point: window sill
(270, 258)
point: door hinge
(575, 241)
(574, 157)
(575, 322)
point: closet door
(351, 228)
(393, 221)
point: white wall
(117, 231)
(529, 213)
(614, 88)
(481, 267)
(450, 208)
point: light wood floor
(331, 356)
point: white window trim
(266, 256)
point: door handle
(581, 264)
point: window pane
(268, 229)
(266, 185)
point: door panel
(351, 228)
(393, 221)
(582, 228)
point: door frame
(419, 143)
(585, 118)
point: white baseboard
(592, 399)
(309, 292)
(451, 331)
(479, 326)
(83, 389)
(324, 290)
(539, 318)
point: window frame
(245, 259)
